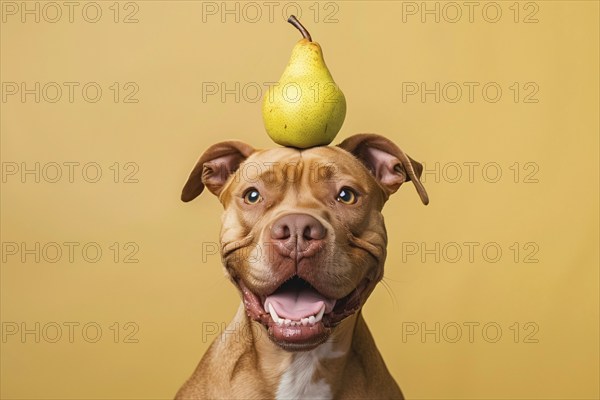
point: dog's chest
(304, 379)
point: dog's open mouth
(296, 315)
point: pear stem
(294, 21)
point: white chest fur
(298, 381)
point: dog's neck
(304, 374)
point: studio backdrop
(112, 288)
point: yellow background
(174, 297)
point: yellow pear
(305, 108)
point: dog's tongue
(295, 303)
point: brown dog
(304, 241)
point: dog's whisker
(391, 293)
(387, 278)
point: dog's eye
(347, 196)
(252, 196)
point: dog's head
(303, 237)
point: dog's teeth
(320, 314)
(301, 322)
(274, 315)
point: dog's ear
(390, 165)
(214, 167)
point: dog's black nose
(297, 231)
